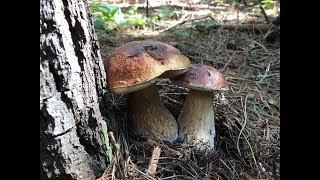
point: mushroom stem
(149, 117)
(196, 120)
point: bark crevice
(77, 34)
(73, 135)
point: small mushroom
(132, 69)
(196, 120)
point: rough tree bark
(73, 134)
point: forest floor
(247, 142)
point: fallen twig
(264, 14)
(166, 149)
(113, 140)
(146, 176)
(184, 20)
(262, 28)
(105, 174)
(153, 164)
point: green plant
(266, 4)
(152, 22)
(183, 33)
(106, 17)
(133, 18)
(256, 8)
(203, 23)
(203, 26)
(250, 94)
(166, 12)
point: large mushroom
(196, 120)
(132, 69)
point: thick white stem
(149, 117)
(196, 120)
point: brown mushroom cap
(202, 78)
(135, 65)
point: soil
(247, 119)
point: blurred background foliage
(109, 16)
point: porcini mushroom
(132, 69)
(196, 120)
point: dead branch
(166, 149)
(262, 28)
(153, 164)
(264, 14)
(105, 174)
(147, 8)
(145, 176)
(184, 20)
(113, 140)
(245, 3)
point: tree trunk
(73, 133)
